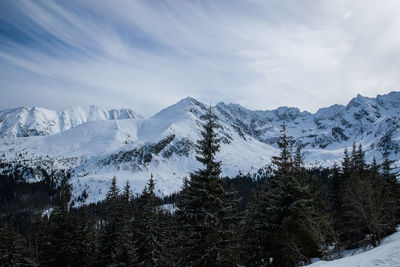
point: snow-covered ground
(386, 254)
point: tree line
(283, 219)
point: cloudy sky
(149, 54)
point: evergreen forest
(282, 217)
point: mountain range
(97, 143)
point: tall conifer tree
(116, 246)
(151, 236)
(279, 236)
(205, 211)
(59, 248)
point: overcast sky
(147, 55)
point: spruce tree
(360, 164)
(205, 212)
(354, 158)
(36, 235)
(181, 216)
(117, 246)
(126, 199)
(59, 248)
(334, 201)
(257, 235)
(346, 164)
(351, 229)
(392, 186)
(276, 222)
(151, 236)
(86, 240)
(112, 225)
(368, 203)
(125, 253)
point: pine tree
(205, 212)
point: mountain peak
(187, 99)
(187, 104)
(190, 101)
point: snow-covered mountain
(370, 121)
(97, 143)
(34, 121)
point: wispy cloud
(148, 54)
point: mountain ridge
(99, 146)
(28, 121)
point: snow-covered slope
(97, 144)
(34, 121)
(386, 254)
